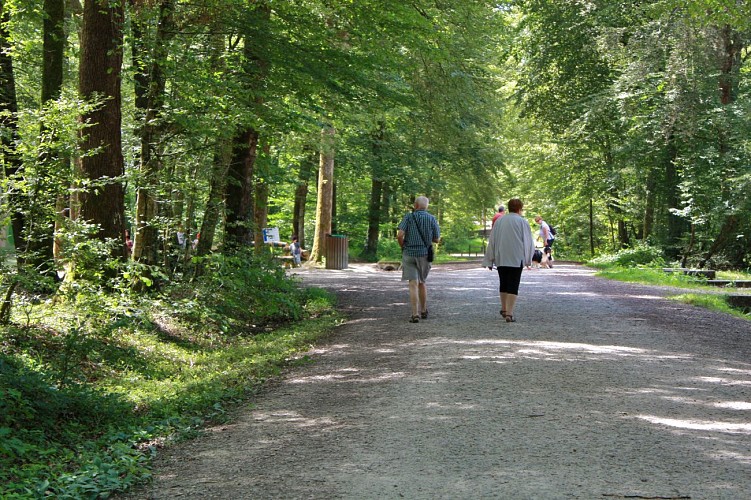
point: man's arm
(400, 237)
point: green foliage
(640, 255)
(711, 301)
(239, 293)
(389, 250)
(85, 390)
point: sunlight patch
(697, 425)
(723, 381)
(733, 405)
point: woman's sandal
(414, 319)
(503, 313)
(510, 319)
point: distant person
(510, 248)
(416, 232)
(296, 251)
(500, 213)
(194, 245)
(128, 244)
(182, 239)
(547, 238)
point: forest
(146, 144)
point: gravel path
(600, 390)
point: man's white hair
(422, 202)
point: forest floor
(601, 389)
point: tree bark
(239, 190)
(374, 219)
(301, 199)
(376, 191)
(240, 224)
(591, 227)
(215, 204)
(325, 195)
(100, 69)
(649, 206)
(8, 121)
(261, 202)
(150, 88)
(53, 50)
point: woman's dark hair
(515, 205)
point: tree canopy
(623, 123)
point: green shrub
(239, 292)
(640, 255)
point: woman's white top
(510, 243)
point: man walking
(417, 231)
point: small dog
(541, 258)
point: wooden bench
(706, 273)
(742, 302)
(730, 283)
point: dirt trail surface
(600, 390)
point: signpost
(271, 235)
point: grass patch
(711, 298)
(651, 276)
(714, 302)
(90, 388)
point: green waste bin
(337, 251)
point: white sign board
(271, 235)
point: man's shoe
(414, 319)
(424, 314)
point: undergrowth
(94, 379)
(645, 265)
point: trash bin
(337, 251)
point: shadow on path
(600, 390)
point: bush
(640, 255)
(389, 250)
(242, 292)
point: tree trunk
(730, 62)
(301, 199)
(261, 202)
(376, 192)
(8, 121)
(726, 235)
(53, 162)
(215, 203)
(386, 206)
(676, 225)
(591, 227)
(374, 219)
(649, 206)
(239, 190)
(99, 75)
(149, 101)
(334, 207)
(325, 195)
(240, 228)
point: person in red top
(500, 213)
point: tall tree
(301, 195)
(240, 226)
(324, 203)
(150, 87)
(9, 122)
(102, 200)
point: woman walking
(510, 248)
